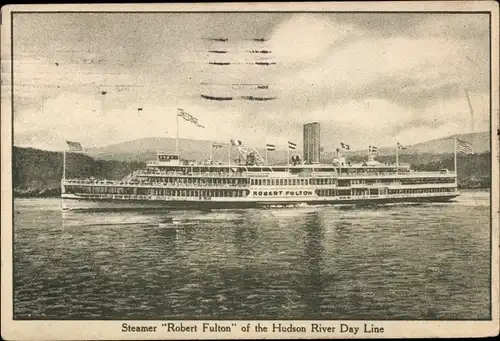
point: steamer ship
(170, 182)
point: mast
(64, 164)
(338, 160)
(229, 150)
(397, 159)
(177, 131)
(211, 147)
(455, 159)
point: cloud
(304, 38)
(366, 77)
(457, 26)
(88, 119)
(426, 62)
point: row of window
(190, 173)
(198, 193)
(283, 182)
(421, 190)
(381, 191)
(197, 181)
(157, 191)
(414, 181)
(332, 192)
(418, 181)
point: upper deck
(170, 165)
(288, 171)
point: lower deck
(187, 193)
(104, 201)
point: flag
(188, 117)
(400, 146)
(465, 147)
(216, 145)
(372, 149)
(74, 146)
(292, 145)
(345, 146)
(270, 147)
(235, 142)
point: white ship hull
(76, 202)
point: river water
(392, 262)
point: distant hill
(480, 141)
(445, 145)
(145, 149)
(38, 172)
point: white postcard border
(112, 330)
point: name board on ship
(280, 193)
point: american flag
(345, 145)
(270, 147)
(188, 117)
(74, 146)
(292, 145)
(465, 147)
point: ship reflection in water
(418, 261)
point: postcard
(250, 170)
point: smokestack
(312, 147)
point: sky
(369, 79)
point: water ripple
(426, 261)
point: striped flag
(216, 145)
(465, 147)
(400, 146)
(189, 117)
(235, 142)
(270, 147)
(292, 145)
(74, 146)
(345, 145)
(372, 149)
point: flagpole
(177, 138)
(455, 158)
(397, 159)
(266, 156)
(338, 160)
(64, 164)
(211, 146)
(229, 149)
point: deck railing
(147, 184)
(130, 178)
(193, 174)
